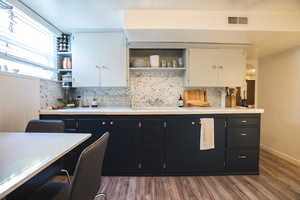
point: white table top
(24, 155)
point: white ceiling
(96, 14)
(70, 15)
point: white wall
(19, 101)
(279, 95)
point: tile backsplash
(156, 88)
(50, 91)
(146, 88)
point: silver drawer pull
(103, 123)
(244, 121)
(111, 123)
(193, 123)
(244, 134)
(242, 157)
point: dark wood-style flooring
(278, 180)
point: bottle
(180, 102)
(94, 103)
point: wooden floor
(278, 180)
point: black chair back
(45, 126)
(88, 172)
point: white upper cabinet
(99, 60)
(216, 67)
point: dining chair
(87, 176)
(45, 126)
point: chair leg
(67, 174)
(101, 195)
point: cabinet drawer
(243, 121)
(242, 160)
(243, 137)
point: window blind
(26, 46)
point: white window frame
(36, 17)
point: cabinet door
(99, 60)
(232, 68)
(113, 68)
(121, 153)
(183, 147)
(216, 67)
(182, 144)
(203, 67)
(214, 159)
(151, 148)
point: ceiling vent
(237, 20)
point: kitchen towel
(207, 134)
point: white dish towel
(207, 134)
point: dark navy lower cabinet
(151, 146)
(243, 141)
(169, 145)
(122, 149)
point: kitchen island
(166, 141)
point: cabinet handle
(193, 123)
(111, 123)
(221, 67)
(164, 166)
(244, 134)
(244, 121)
(140, 165)
(103, 123)
(242, 157)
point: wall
(20, 101)
(155, 88)
(278, 91)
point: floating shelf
(65, 70)
(157, 68)
(64, 53)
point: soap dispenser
(180, 102)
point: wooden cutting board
(195, 98)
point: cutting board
(195, 98)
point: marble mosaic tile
(156, 88)
(50, 91)
(146, 88)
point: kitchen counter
(151, 111)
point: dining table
(24, 155)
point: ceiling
(96, 14)
(72, 15)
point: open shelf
(64, 53)
(139, 58)
(65, 70)
(158, 68)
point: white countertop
(24, 155)
(151, 111)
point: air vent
(237, 20)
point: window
(26, 46)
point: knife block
(230, 101)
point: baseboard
(280, 155)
